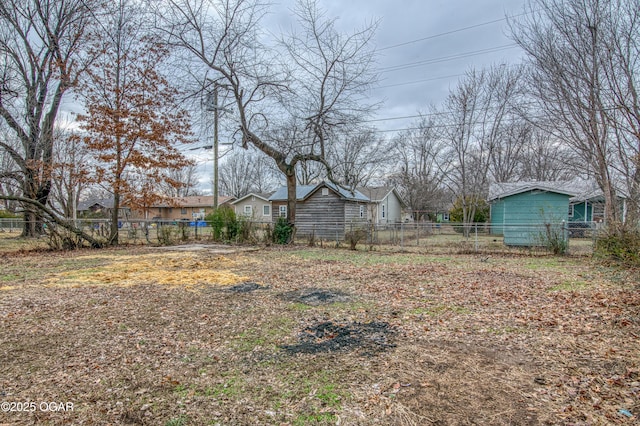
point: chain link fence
(573, 238)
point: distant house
(100, 208)
(184, 208)
(521, 211)
(325, 210)
(385, 205)
(254, 206)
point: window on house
(266, 210)
(248, 211)
(384, 212)
(571, 206)
(283, 211)
(361, 212)
(325, 191)
(183, 211)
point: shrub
(224, 223)
(8, 215)
(354, 237)
(246, 231)
(165, 235)
(554, 238)
(282, 231)
(622, 246)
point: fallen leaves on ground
(423, 338)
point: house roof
(263, 196)
(305, 191)
(377, 194)
(106, 203)
(507, 189)
(194, 201)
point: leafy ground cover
(310, 336)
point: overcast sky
(424, 45)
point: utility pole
(213, 106)
(215, 146)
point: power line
(452, 31)
(444, 77)
(448, 58)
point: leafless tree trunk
(39, 45)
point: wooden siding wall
(327, 216)
(322, 215)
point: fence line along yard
(574, 238)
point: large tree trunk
(291, 198)
(33, 221)
(113, 235)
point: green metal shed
(524, 212)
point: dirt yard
(308, 336)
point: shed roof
(304, 191)
(507, 189)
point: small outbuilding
(526, 213)
(324, 210)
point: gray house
(385, 205)
(254, 206)
(325, 209)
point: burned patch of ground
(316, 296)
(246, 287)
(329, 336)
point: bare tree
(416, 174)
(469, 129)
(39, 45)
(545, 158)
(291, 99)
(187, 178)
(359, 158)
(622, 69)
(565, 44)
(246, 171)
(69, 175)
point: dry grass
(152, 337)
